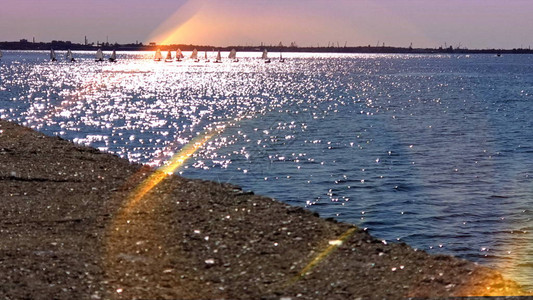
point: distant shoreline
(61, 45)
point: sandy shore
(74, 226)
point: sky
(424, 23)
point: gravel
(73, 226)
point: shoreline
(73, 227)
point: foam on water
(433, 150)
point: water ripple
(432, 150)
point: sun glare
(169, 30)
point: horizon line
(262, 45)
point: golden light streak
(175, 162)
(167, 32)
(481, 285)
(122, 244)
(334, 244)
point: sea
(434, 150)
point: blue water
(432, 150)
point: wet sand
(74, 226)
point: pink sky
(425, 23)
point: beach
(78, 224)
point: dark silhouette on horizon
(65, 45)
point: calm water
(432, 150)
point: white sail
(169, 55)
(69, 55)
(179, 54)
(158, 55)
(99, 55)
(1, 54)
(233, 54)
(113, 56)
(194, 54)
(219, 57)
(265, 54)
(52, 55)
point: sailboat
(194, 55)
(69, 56)
(53, 55)
(158, 56)
(113, 57)
(219, 58)
(205, 55)
(179, 55)
(99, 55)
(265, 56)
(281, 59)
(1, 54)
(169, 56)
(233, 55)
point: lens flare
(136, 218)
(168, 31)
(333, 244)
(174, 163)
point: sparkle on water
(432, 150)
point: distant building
(152, 44)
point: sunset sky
(425, 23)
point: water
(432, 150)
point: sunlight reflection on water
(433, 150)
